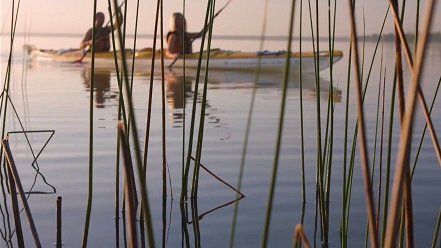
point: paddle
(90, 47)
(202, 31)
(88, 50)
(82, 57)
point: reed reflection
(102, 77)
(14, 171)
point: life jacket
(103, 40)
(102, 33)
(187, 42)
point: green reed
(424, 130)
(193, 122)
(248, 125)
(184, 181)
(406, 211)
(417, 156)
(129, 121)
(90, 172)
(378, 125)
(195, 182)
(438, 223)
(393, 212)
(129, 188)
(142, 178)
(324, 154)
(347, 196)
(361, 130)
(279, 133)
(329, 133)
(402, 163)
(10, 174)
(302, 128)
(318, 166)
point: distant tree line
(433, 37)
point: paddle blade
(82, 57)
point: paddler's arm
(87, 39)
(194, 36)
(171, 46)
(116, 24)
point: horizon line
(220, 37)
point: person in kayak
(178, 39)
(102, 41)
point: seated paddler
(102, 40)
(178, 39)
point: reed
(17, 183)
(192, 126)
(279, 135)
(8, 231)
(184, 179)
(209, 21)
(129, 189)
(248, 128)
(425, 129)
(135, 140)
(389, 211)
(302, 129)
(402, 163)
(90, 172)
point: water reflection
(178, 86)
(218, 79)
(178, 89)
(20, 181)
(102, 91)
(195, 217)
(312, 85)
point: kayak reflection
(179, 88)
(223, 79)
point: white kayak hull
(218, 60)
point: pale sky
(240, 17)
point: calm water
(57, 97)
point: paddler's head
(99, 19)
(177, 22)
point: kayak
(271, 61)
(267, 61)
(102, 59)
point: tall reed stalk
(91, 128)
(404, 146)
(362, 135)
(8, 231)
(193, 121)
(248, 125)
(195, 184)
(392, 205)
(135, 139)
(273, 177)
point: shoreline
(436, 37)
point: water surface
(56, 97)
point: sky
(240, 17)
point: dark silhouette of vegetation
(434, 37)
